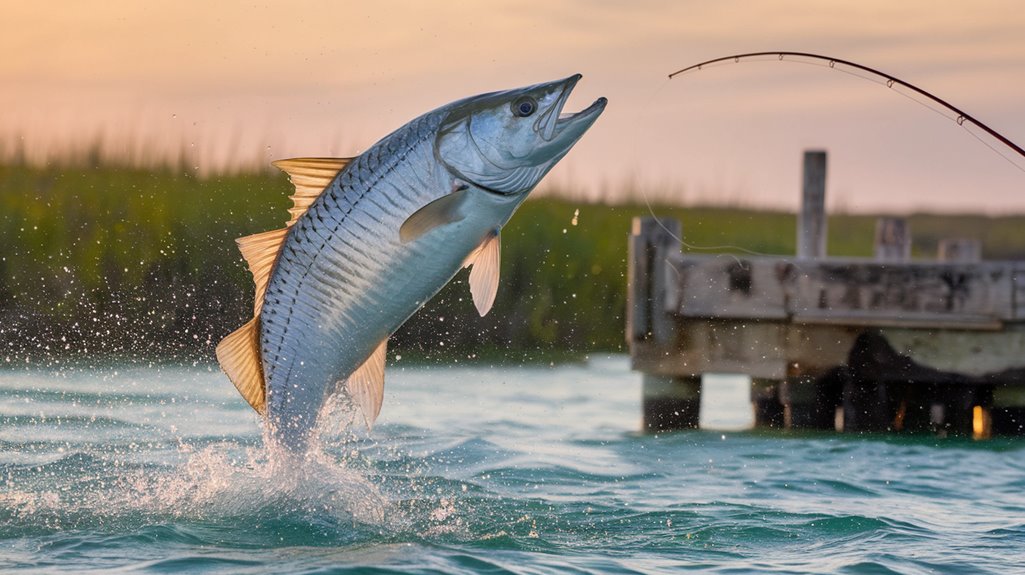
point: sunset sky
(238, 83)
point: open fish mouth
(554, 122)
(591, 111)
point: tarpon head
(505, 142)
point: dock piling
(671, 403)
(959, 250)
(882, 344)
(893, 240)
(651, 242)
(812, 225)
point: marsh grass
(100, 259)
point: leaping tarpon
(372, 238)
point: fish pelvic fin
(310, 176)
(239, 356)
(366, 385)
(485, 264)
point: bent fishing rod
(961, 117)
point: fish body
(381, 238)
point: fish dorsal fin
(260, 252)
(239, 352)
(310, 176)
(239, 356)
(444, 210)
(485, 263)
(366, 384)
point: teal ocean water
(477, 470)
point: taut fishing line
(658, 220)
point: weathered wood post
(966, 410)
(893, 240)
(811, 226)
(669, 401)
(961, 250)
(651, 242)
(797, 392)
(799, 396)
(1008, 415)
(765, 400)
(866, 399)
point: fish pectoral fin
(445, 210)
(485, 264)
(366, 385)
(310, 176)
(239, 356)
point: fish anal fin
(239, 356)
(366, 384)
(485, 265)
(444, 210)
(260, 252)
(310, 176)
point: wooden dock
(875, 344)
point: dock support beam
(765, 401)
(1008, 415)
(671, 403)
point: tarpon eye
(524, 106)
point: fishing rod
(961, 117)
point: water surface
(478, 469)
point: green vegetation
(141, 263)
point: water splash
(224, 484)
(217, 482)
(111, 454)
(232, 484)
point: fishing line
(647, 202)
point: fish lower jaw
(569, 117)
